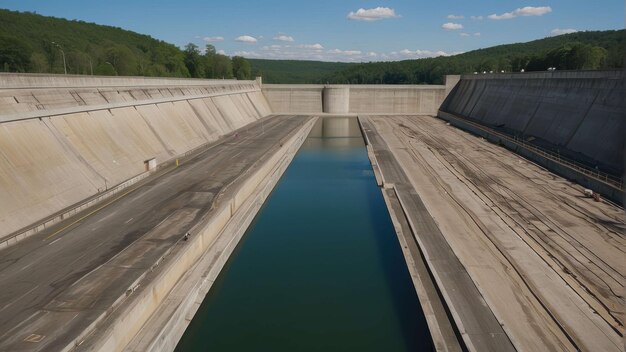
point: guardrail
(606, 178)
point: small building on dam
(162, 214)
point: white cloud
(375, 14)
(451, 26)
(345, 52)
(247, 39)
(274, 47)
(524, 11)
(560, 31)
(419, 54)
(221, 52)
(456, 17)
(316, 46)
(213, 39)
(252, 54)
(284, 38)
(465, 34)
(313, 52)
(478, 18)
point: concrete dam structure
(123, 199)
(356, 99)
(578, 115)
(573, 111)
(73, 138)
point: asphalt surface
(59, 281)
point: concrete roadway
(55, 284)
(479, 327)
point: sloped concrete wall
(64, 139)
(580, 114)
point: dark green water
(319, 269)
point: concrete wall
(340, 99)
(580, 114)
(64, 139)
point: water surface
(319, 269)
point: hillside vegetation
(35, 43)
(575, 51)
(295, 71)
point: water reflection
(320, 268)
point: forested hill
(35, 43)
(575, 51)
(295, 71)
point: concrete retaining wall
(64, 139)
(158, 314)
(580, 114)
(589, 179)
(341, 99)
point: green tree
(105, 69)
(241, 68)
(223, 67)
(14, 55)
(122, 59)
(38, 63)
(193, 60)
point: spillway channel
(320, 268)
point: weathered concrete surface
(336, 99)
(580, 114)
(371, 99)
(478, 326)
(67, 138)
(608, 186)
(303, 98)
(57, 285)
(548, 262)
(168, 323)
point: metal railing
(607, 178)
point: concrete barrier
(65, 139)
(211, 246)
(609, 188)
(581, 115)
(354, 99)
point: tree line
(576, 51)
(39, 44)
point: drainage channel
(320, 267)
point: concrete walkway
(477, 324)
(548, 263)
(59, 282)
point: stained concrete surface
(547, 261)
(582, 115)
(55, 284)
(63, 144)
(371, 99)
(478, 326)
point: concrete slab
(548, 261)
(477, 324)
(77, 274)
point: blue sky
(340, 30)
